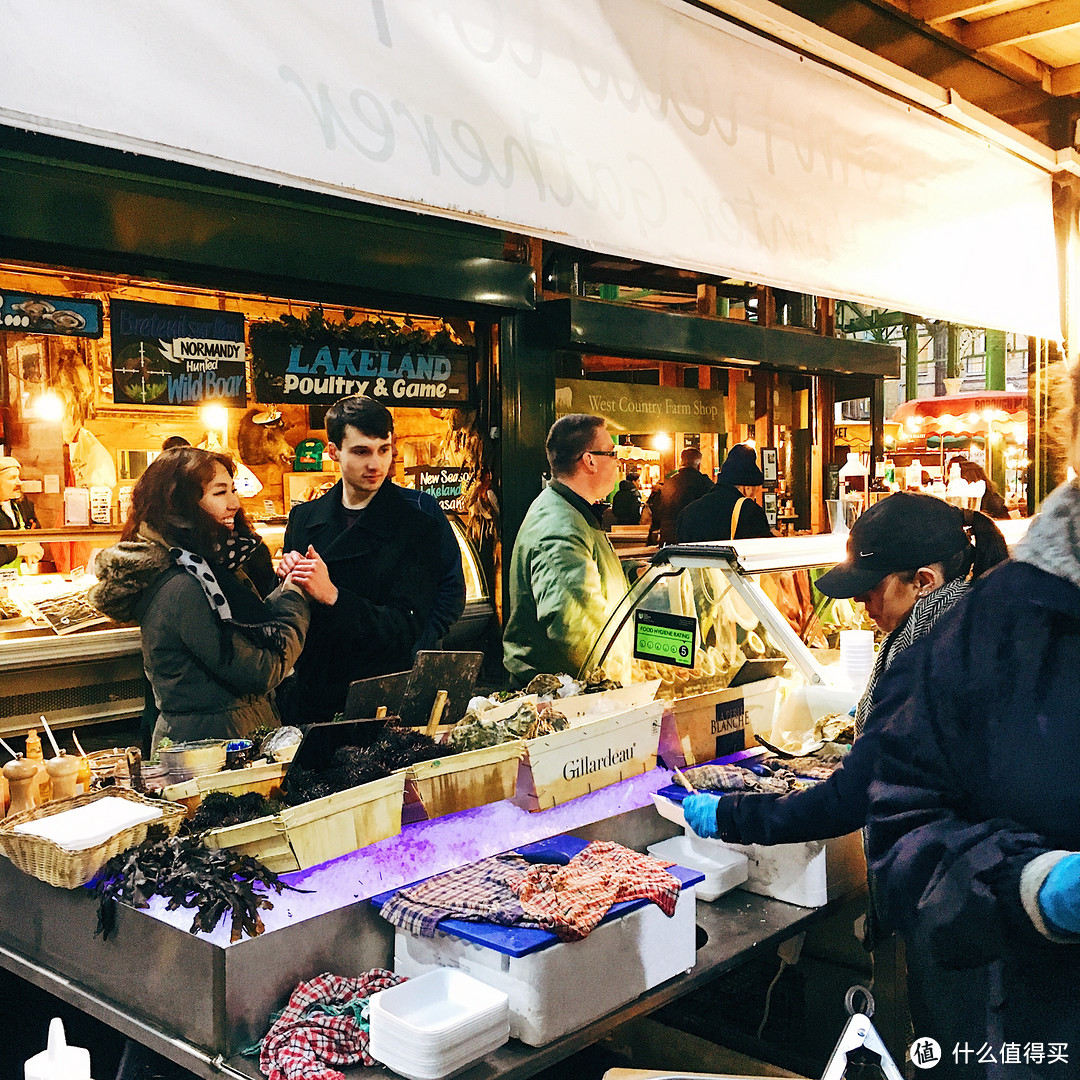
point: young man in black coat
(383, 554)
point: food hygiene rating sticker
(664, 638)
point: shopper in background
(909, 558)
(565, 578)
(974, 826)
(383, 554)
(16, 512)
(732, 509)
(626, 502)
(213, 649)
(677, 491)
(992, 504)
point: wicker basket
(51, 863)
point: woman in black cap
(909, 560)
(732, 510)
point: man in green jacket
(565, 578)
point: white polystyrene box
(567, 985)
(808, 874)
(723, 870)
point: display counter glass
(750, 605)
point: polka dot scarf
(232, 555)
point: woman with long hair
(213, 648)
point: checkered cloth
(736, 778)
(480, 892)
(571, 900)
(304, 1041)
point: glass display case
(704, 617)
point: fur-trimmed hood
(1052, 541)
(124, 572)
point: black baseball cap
(902, 532)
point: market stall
(990, 428)
(605, 791)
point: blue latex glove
(699, 809)
(1059, 897)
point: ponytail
(990, 546)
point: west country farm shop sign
(167, 355)
(637, 409)
(319, 371)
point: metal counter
(198, 1004)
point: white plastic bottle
(854, 481)
(58, 1061)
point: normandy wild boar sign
(306, 364)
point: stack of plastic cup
(856, 657)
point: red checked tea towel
(571, 900)
(304, 1042)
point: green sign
(636, 409)
(665, 639)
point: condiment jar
(43, 791)
(85, 777)
(21, 775)
(64, 772)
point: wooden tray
(264, 779)
(592, 755)
(313, 832)
(462, 781)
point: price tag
(664, 638)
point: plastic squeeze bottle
(58, 1061)
(43, 791)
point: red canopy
(968, 411)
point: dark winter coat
(709, 518)
(669, 500)
(977, 790)
(626, 503)
(203, 688)
(387, 569)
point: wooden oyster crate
(588, 756)
(264, 779)
(314, 832)
(462, 781)
(696, 729)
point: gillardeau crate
(463, 781)
(589, 755)
(694, 726)
(264, 779)
(313, 832)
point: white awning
(638, 127)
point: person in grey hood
(974, 822)
(213, 649)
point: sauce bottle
(43, 791)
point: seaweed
(219, 809)
(214, 883)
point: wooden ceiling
(1017, 59)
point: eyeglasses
(601, 453)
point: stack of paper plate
(437, 1024)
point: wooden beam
(1023, 25)
(1065, 81)
(933, 11)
